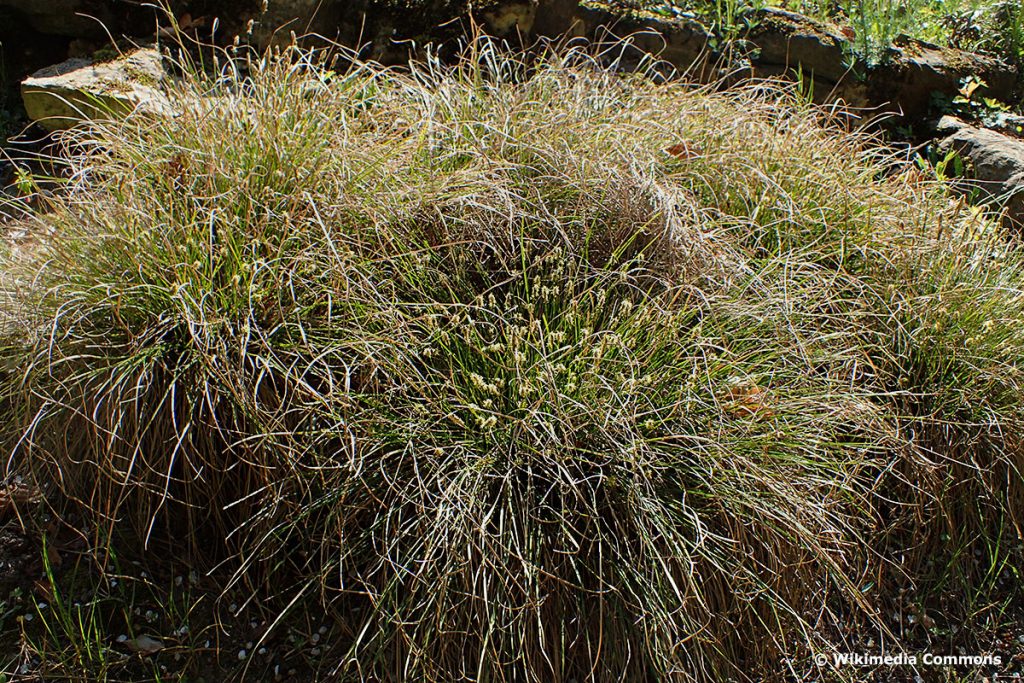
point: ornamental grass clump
(522, 373)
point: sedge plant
(523, 370)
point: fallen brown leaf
(684, 150)
(747, 401)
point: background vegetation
(991, 26)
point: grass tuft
(522, 372)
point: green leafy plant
(967, 103)
(949, 166)
(989, 26)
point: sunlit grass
(521, 372)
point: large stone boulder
(628, 39)
(782, 43)
(1006, 122)
(787, 46)
(276, 19)
(995, 165)
(61, 96)
(791, 40)
(387, 27)
(915, 71)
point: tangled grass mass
(524, 371)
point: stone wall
(36, 33)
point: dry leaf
(684, 150)
(848, 33)
(747, 401)
(177, 167)
(970, 87)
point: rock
(61, 96)
(390, 31)
(383, 21)
(684, 43)
(791, 40)
(145, 645)
(915, 71)
(558, 17)
(948, 125)
(848, 92)
(995, 165)
(1006, 122)
(681, 44)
